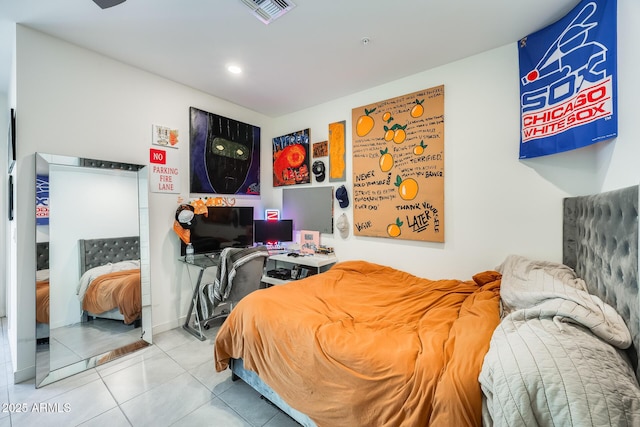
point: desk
(319, 263)
(202, 262)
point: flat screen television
(270, 232)
(222, 227)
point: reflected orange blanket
(119, 289)
(364, 344)
(42, 301)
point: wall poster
(568, 81)
(291, 158)
(320, 149)
(398, 167)
(164, 171)
(224, 155)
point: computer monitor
(222, 227)
(272, 232)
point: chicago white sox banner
(568, 81)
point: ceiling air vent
(269, 10)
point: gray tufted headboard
(97, 252)
(601, 244)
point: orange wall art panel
(337, 150)
(398, 167)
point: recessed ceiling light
(234, 69)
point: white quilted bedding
(556, 358)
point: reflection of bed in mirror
(109, 286)
(42, 291)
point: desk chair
(239, 273)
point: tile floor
(171, 383)
(73, 343)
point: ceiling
(312, 54)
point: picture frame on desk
(309, 241)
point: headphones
(318, 170)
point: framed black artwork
(11, 143)
(224, 155)
(10, 193)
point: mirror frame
(44, 375)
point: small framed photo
(12, 140)
(309, 241)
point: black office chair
(238, 274)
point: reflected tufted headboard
(42, 255)
(600, 242)
(97, 252)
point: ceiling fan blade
(104, 4)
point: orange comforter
(119, 289)
(42, 301)
(364, 344)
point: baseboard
(167, 326)
(25, 374)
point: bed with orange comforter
(365, 344)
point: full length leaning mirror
(93, 300)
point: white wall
(494, 203)
(4, 119)
(74, 102)
(71, 101)
(618, 161)
(11, 258)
